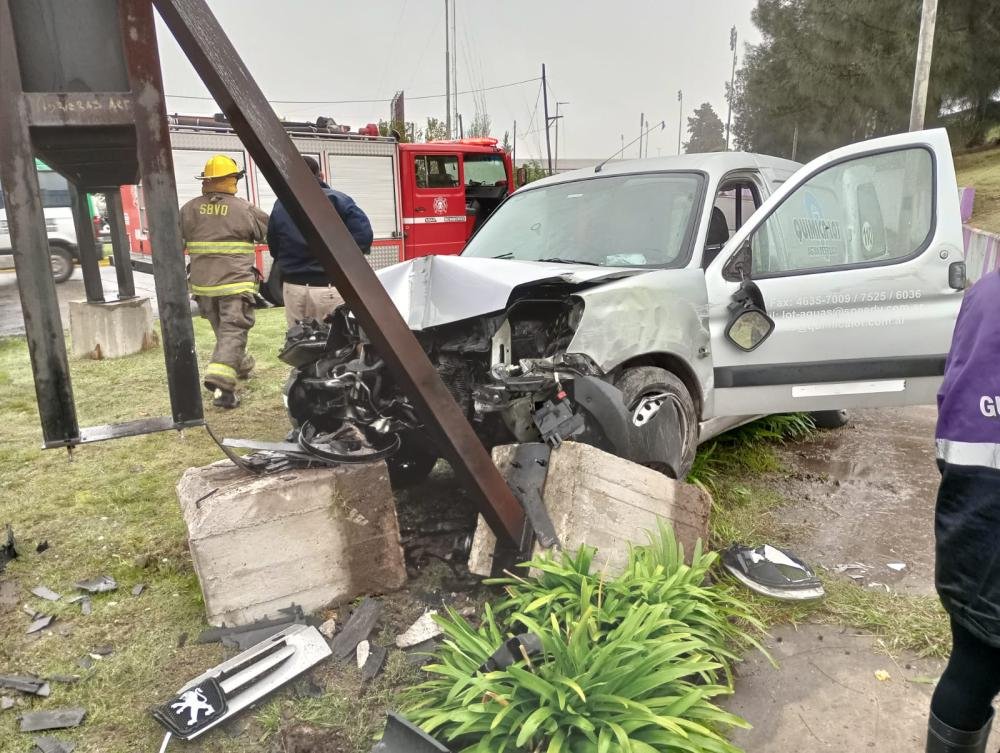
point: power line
(364, 101)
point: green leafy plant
(629, 664)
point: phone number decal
(846, 299)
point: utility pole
(454, 58)
(922, 72)
(623, 147)
(447, 71)
(461, 130)
(732, 83)
(642, 125)
(795, 141)
(557, 119)
(680, 118)
(548, 121)
(513, 149)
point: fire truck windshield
(485, 170)
(644, 220)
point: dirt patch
(304, 739)
(865, 494)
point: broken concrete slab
(98, 584)
(329, 629)
(138, 588)
(421, 631)
(310, 536)
(44, 592)
(28, 684)
(111, 330)
(357, 628)
(39, 721)
(40, 623)
(53, 745)
(6, 702)
(604, 501)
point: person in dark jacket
(308, 292)
(967, 525)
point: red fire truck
(421, 198)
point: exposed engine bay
(509, 372)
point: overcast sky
(610, 61)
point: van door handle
(419, 209)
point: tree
(506, 141)
(831, 72)
(705, 131)
(435, 130)
(480, 126)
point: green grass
(981, 170)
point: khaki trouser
(231, 317)
(309, 302)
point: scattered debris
(881, 675)
(245, 636)
(182, 640)
(86, 607)
(401, 736)
(6, 702)
(53, 745)
(37, 721)
(357, 628)
(138, 588)
(897, 566)
(40, 623)
(28, 684)
(42, 546)
(424, 629)
(43, 592)
(30, 612)
(64, 679)
(85, 662)
(513, 650)
(329, 629)
(7, 550)
(364, 651)
(374, 664)
(307, 687)
(232, 686)
(854, 570)
(876, 584)
(100, 584)
(105, 650)
(772, 572)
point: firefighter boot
(226, 399)
(246, 367)
(944, 739)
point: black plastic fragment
(401, 736)
(7, 550)
(374, 664)
(512, 651)
(41, 547)
(357, 628)
(245, 636)
(37, 721)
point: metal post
(447, 71)
(461, 128)
(454, 61)
(642, 126)
(26, 221)
(212, 54)
(156, 166)
(680, 118)
(922, 71)
(545, 98)
(732, 83)
(86, 243)
(120, 244)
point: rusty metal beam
(156, 166)
(119, 244)
(86, 245)
(42, 325)
(227, 78)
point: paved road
(11, 321)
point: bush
(628, 664)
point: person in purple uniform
(967, 525)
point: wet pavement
(12, 322)
(863, 498)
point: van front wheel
(62, 263)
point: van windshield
(615, 221)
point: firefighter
(220, 231)
(967, 525)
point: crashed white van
(645, 306)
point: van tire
(641, 381)
(62, 263)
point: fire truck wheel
(62, 263)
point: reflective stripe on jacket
(220, 232)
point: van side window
(436, 170)
(54, 189)
(734, 203)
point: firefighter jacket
(967, 519)
(291, 252)
(220, 231)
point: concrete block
(310, 537)
(599, 499)
(111, 330)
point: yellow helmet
(220, 166)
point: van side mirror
(520, 177)
(749, 328)
(738, 267)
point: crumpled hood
(434, 290)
